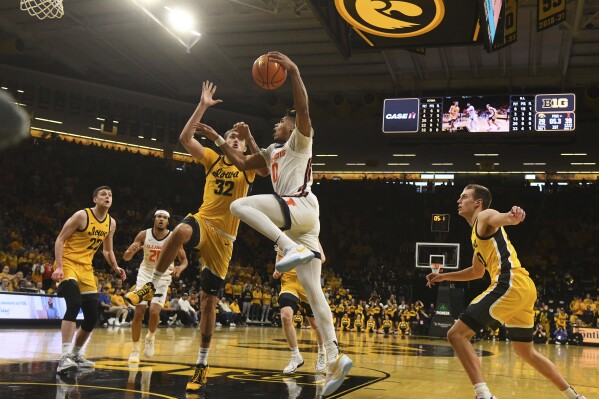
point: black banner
(550, 13)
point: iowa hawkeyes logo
(392, 18)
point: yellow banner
(550, 13)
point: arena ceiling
(112, 42)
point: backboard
(447, 254)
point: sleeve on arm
(300, 143)
(210, 156)
(266, 154)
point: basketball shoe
(66, 364)
(198, 381)
(81, 362)
(145, 293)
(321, 363)
(298, 255)
(336, 373)
(149, 346)
(294, 363)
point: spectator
(119, 307)
(186, 313)
(561, 336)
(540, 335)
(5, 286)
(225, 313)
(51, 310)
(587, 319)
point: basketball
(268, 74)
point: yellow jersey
(81, 246)
(496, 253)
(224, 184)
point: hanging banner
(550, 13)
(510, 25)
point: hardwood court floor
(246, 362)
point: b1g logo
(555, 102)
(392, 18)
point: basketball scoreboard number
(523, 113)
(431, 115)
(440, 222)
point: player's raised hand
(276, 274)
(434, 278)
(243, 130)
(517, 214)
(208, 90)
(206, 131)
(283, 60)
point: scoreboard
(480, 115)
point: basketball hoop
(43, 9)
(436, 268)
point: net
(43, 9)
(436, 267)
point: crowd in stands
(369, 232)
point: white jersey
(291, 165)
(471, 112)
(152, 248)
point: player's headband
(163, 213)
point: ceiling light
(530, 177)
(534, 163)
(327, 155)
(180, 19)
(356, 164)
(486, 155)
(582, 163)
(442, 164)
(318, 164)
(573, 154)
(404, 155)
(398, 164)
(49, 120)
(436, 176)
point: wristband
(219, 141)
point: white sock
(202, 356)
(156, 276)
(136, 346)
(295, 352)
(66, 349)
(570, 393)
(481, 390)
(76, 350)
(150, 335)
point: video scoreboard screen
(480, 114)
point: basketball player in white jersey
(472, 117)
(151, 240)
(294, 209)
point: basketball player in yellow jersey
(454, 110)
(212, 229)
(78, 241)
(510, 298)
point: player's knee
(235, 207)
(286, 316)
(72, 296)
(181, 234)
(89, 306)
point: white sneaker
(294, 364)
(321, 363)
(111, 321)
(134, 356)
(149, 347)
(232, 325)
(336, 373)
(298, 255)
(218, 324)
(117, 323)
(81, 362)
(66, 364)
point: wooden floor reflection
(246, 362)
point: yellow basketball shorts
(82, 274)
(509, 301)
(215, 250)
(292, 293)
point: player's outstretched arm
(187, 135)
(244, 133)
(135, 246)
(474, 272)
(492, 218)
(183, 262)
(254, 161)
(108, 251)
(300, 94)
